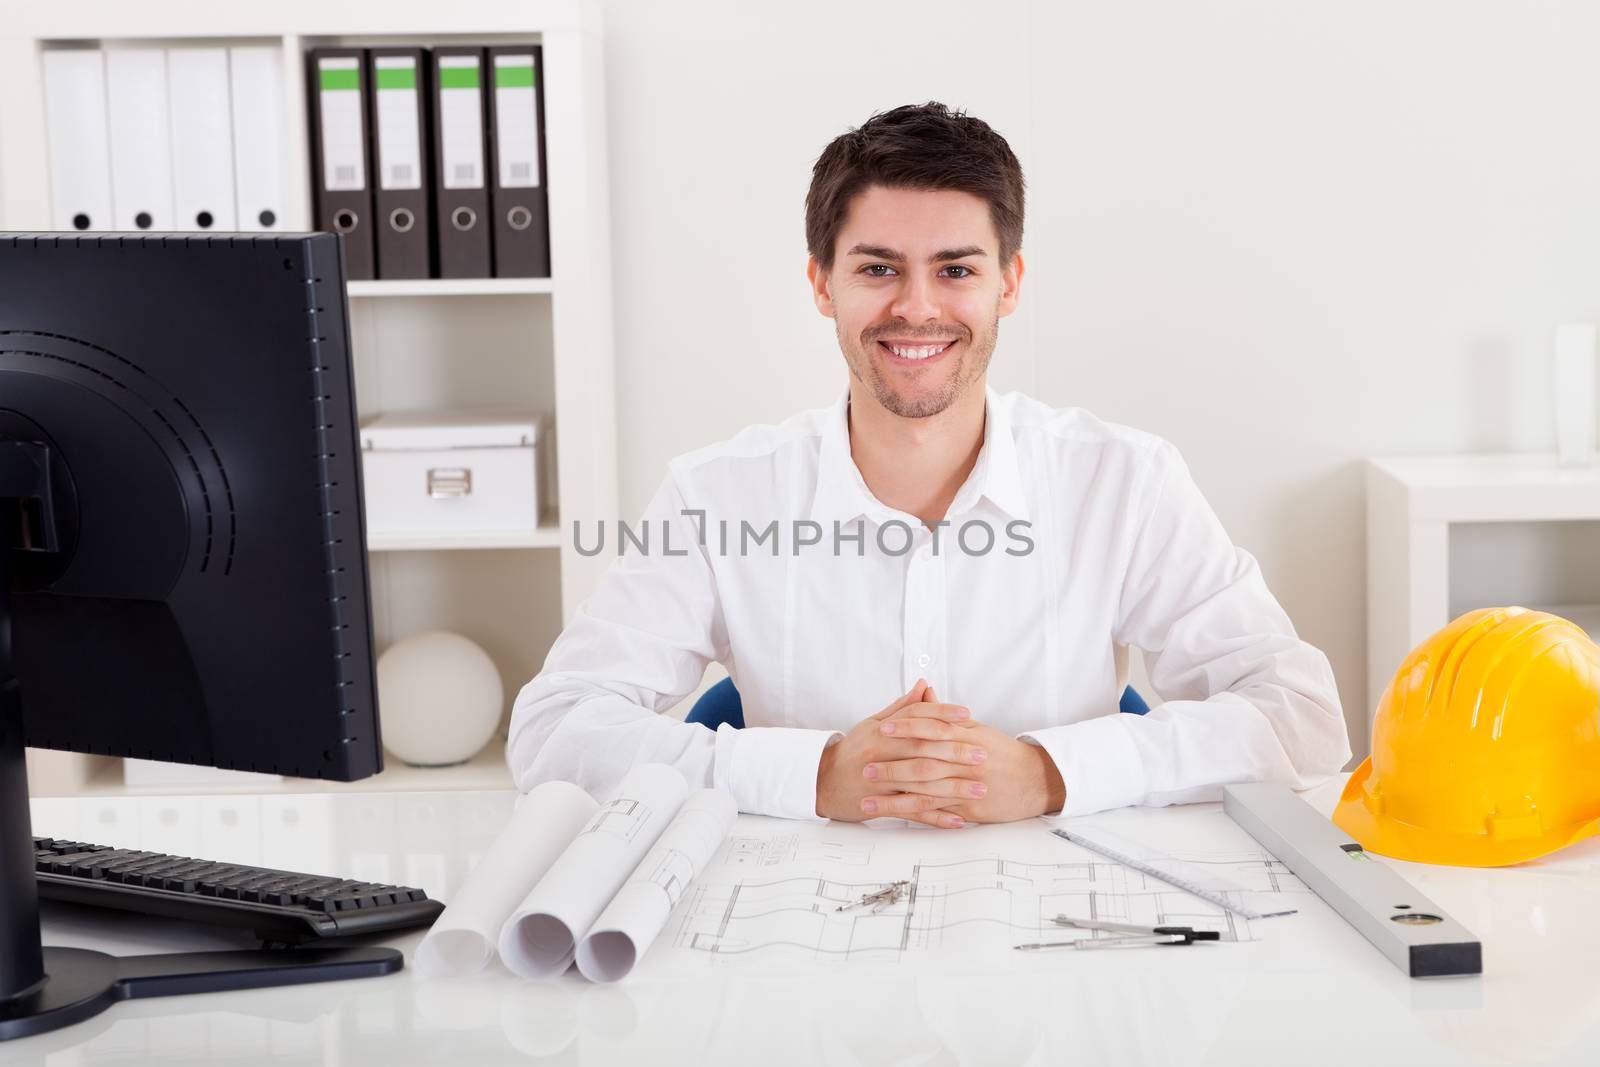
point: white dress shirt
(817, 636)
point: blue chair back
(717, 705)
(721, 704)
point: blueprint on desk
(772, 899)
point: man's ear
(1010, 282)
(821, 286)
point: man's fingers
(944, 820)
(903, 805)
(924, 728)
(915, 769)
(913, 695)
(958, 788)
(922, 761)
(953, 713)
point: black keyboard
(282, 907)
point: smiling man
(925, 593)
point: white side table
(1411, 503)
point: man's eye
(877, 266)
(968, 271)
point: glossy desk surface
(1324, 998)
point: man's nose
(917, 301)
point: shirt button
(924, 659)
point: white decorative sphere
(439, 699)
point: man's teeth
(919, 351)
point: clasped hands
(934, 763)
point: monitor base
(80, 984)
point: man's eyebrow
(880, 252)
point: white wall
(1285, 235)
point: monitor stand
(48, 988)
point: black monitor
(183, 570)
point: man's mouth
(915, 351)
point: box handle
(448, 483)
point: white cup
(1575, 393)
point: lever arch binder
(141, 149)
(75, 115)
(461, 188)
(256, 74)
(401, 154)
(202, 139)
(516, 138)
(339, 111)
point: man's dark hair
(917, 146)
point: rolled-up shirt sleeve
(1242, 698)
(636, 648)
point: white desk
(1286, 999)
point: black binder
(518, 174)
(460, 163)
(340, 105)
(402, 156)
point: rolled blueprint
(546, 821)
(639, 912)
(541, 937)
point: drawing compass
(1125, 935)
(878, 899)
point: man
(973, 566)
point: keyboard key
(97, 864)
(127, 871)
(61, 863)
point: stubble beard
(973, 363)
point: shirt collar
(1002, 481)
(842, 494)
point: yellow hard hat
(1486, 746)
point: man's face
(916, 294)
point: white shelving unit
(547, 535)
(1447, 534)
(452, 287)
(540, 344)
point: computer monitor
(183, 571)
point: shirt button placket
(924, 610)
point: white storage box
(462, 472)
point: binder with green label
(461, 184)
(518, 175)
(339, 120)
(402, 157)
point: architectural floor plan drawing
(620, 818)
(670, 869)
(790, 896)
(791, 848)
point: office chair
(721, 704)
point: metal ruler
(1416, 934)
(1173, 878)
